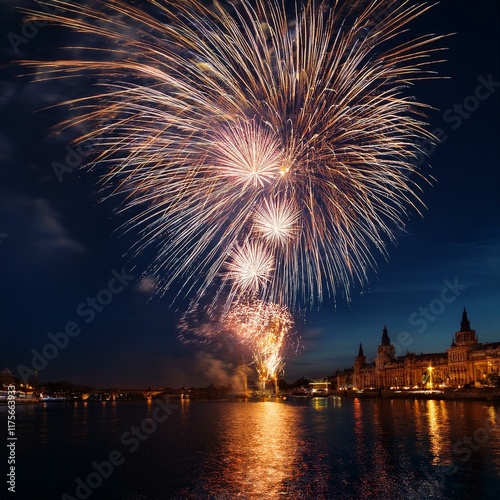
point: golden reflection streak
(419, 428)
(380, 455)
(492, 416)
(262, 451)
(438, 423)
(272, 453)
(320, 404)
(358, 418)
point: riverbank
(478, 394)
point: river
(321, 448)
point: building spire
(453, 341)
(360, 352)
(464, 324)
(385, 337)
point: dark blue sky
(59, 244)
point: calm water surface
(329, 449)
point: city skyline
(64, 259)
(402, 345)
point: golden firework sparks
(253, 124)
(250, 267)
(277, 221)
(266, 330)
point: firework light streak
(247, 155)
(253, 333)
(264, 151)
(277, 221)
(265, 330)
(250, 267)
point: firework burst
(247, 156)
(277, 221)
(250, 267)
(267, 151)
(252, 333)
(266, 331)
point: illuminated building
(466, 361)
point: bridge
(147, 394)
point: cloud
(35, 225)
(310, 338)
(479, 257)
(7, 92)
(147, 285)
(49, 233)
(313, 333)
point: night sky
(60, 243)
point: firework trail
(266, 151)
(265, 330)
(252, 333)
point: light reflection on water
(438, 426)
(353, 449)
(320, 448)
(259, 451)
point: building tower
(359, 365)
(460, 366)
(466, 336)
(385, 354)
(385, 349)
